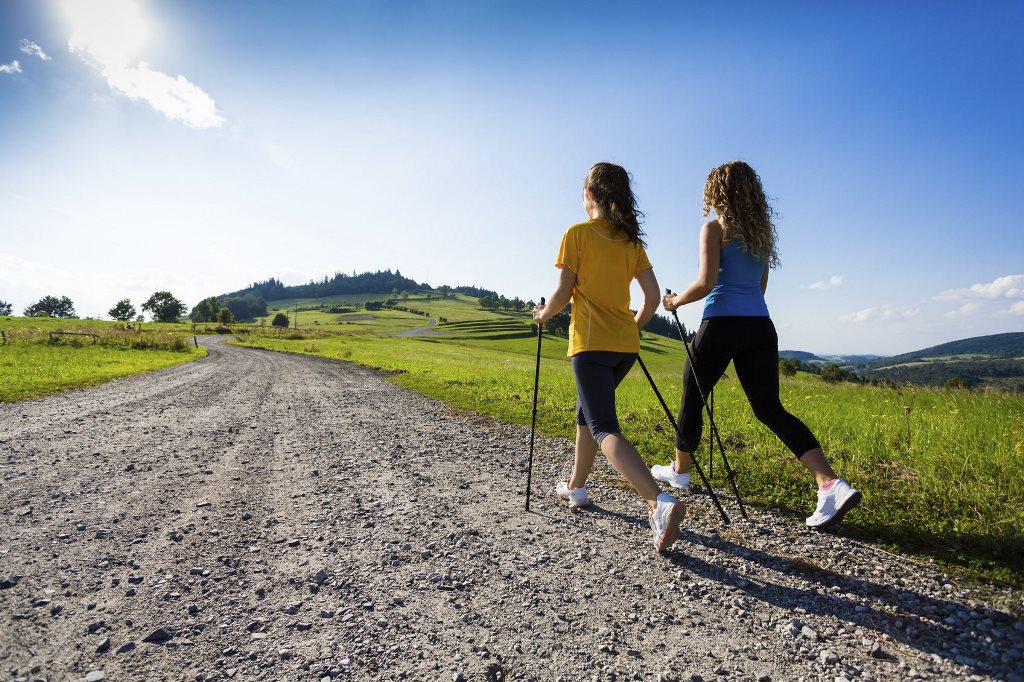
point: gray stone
(158, 636)
(321, 577)
(104, 646)
(8, 581)
(126, 648)
(95, 676)
(876, 651)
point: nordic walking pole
(671, 419)
(711, 417)
(533, 422)
(711, 444)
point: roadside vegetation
(34, 362)
(942, 470)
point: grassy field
(942, 471)
(33, 364)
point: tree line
(366, 283)
(163, 306)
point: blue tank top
(738, 291)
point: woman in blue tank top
(737, 250)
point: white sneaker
(833, 505)
(576, 497)
(665, 520)
(667, 473)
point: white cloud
(833, 281)
(965, 310)
(31, 48)
(1010, 286)
(107, 34)
(1015, 309)
(880, 312)
(13, 67)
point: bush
(833, 374)
(280, 320)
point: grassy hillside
(941, 470)
(1009, 345)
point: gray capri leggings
(598, 373)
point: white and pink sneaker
(833, 504)
(576, 497)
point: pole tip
(667, 291)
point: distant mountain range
(994, 360)
(804, 356)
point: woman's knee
(770, 413)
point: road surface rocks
(257, 515)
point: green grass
(944, 480)
(286, 304)
(33, 365)
(314, 322)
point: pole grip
(542, 300)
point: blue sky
(196, 147)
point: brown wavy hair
(609, 187)
(734, 192)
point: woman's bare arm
(707, 274)
(559, 299)
(649, 284)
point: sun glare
(112, 31)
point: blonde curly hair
(734, 192)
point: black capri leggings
(753, 345)
(598, 373)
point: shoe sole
(849, 503)
(675, 517)
(574, 503)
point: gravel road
(257, 515)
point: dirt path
(418, 331)
(284, 517)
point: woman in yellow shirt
(597, 261)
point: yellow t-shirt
(605, 263)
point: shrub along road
(256, 514)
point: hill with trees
(996, 360)
(1008, 345)
(801, 355)
(381, 281)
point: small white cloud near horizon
(833, 281)
(13, 67)
(1015, 309)
(107, 34)
(1010, 286)
(965, 310)
(880, 312)
(33, 49)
